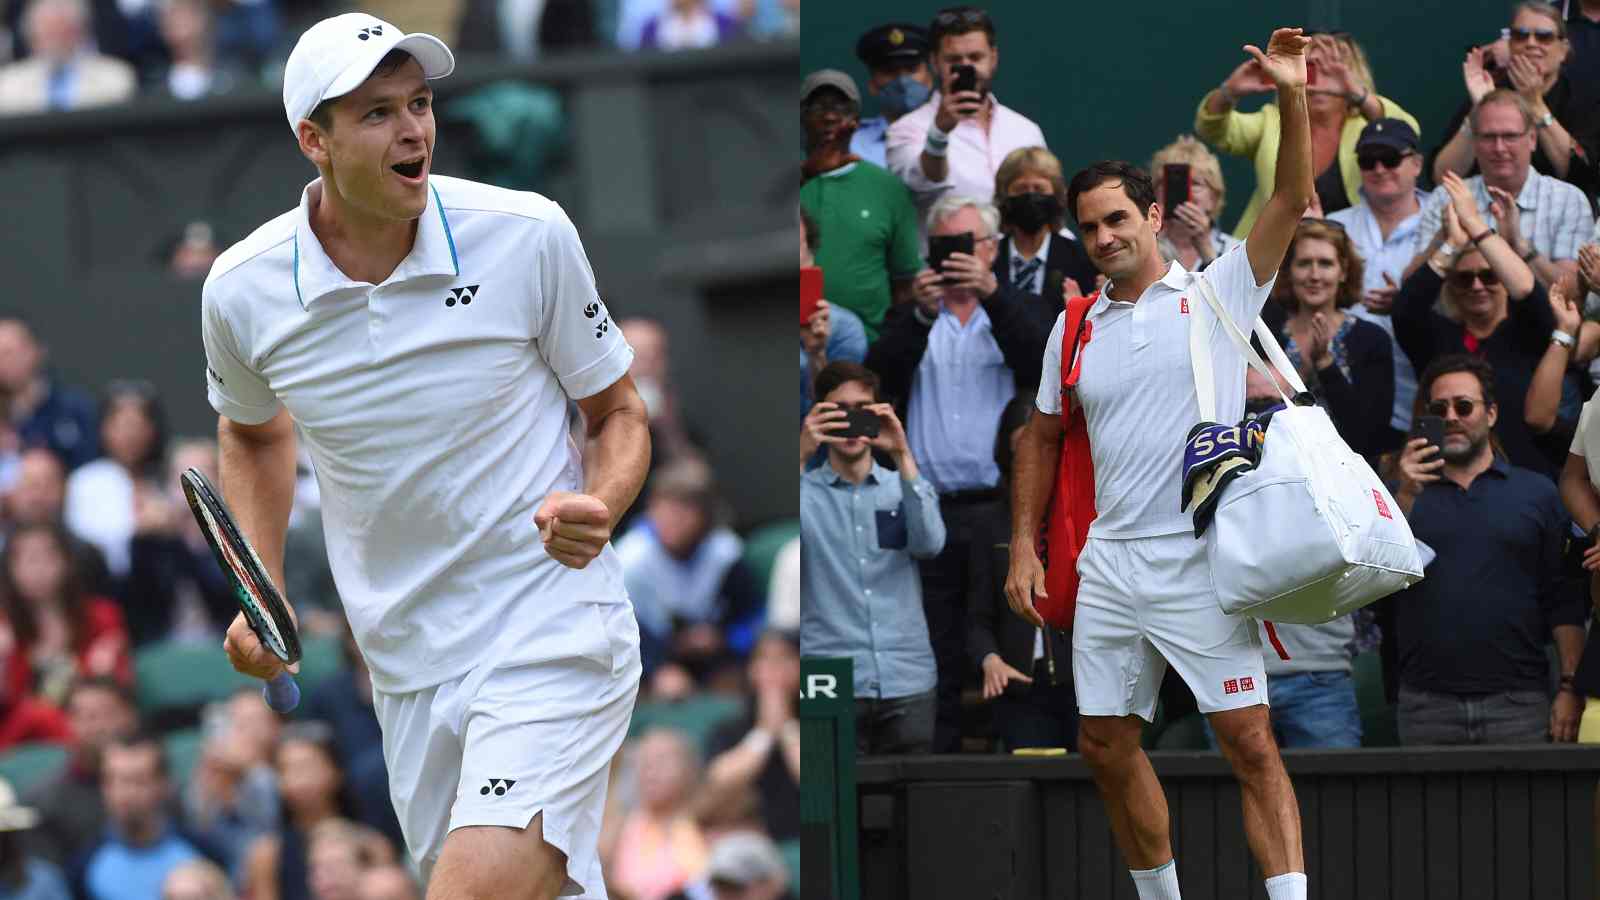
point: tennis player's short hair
(1135, 181)
(323, 114)
(842, 372)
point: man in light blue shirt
(142, 844)
(1383, 228)
(862, 528)
(896, 57)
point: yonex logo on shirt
(498, 786)
(463, 294)
(213, 373)
(602, 326)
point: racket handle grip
(282, 693)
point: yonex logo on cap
(375, 30)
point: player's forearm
(1293, 179)
(620, 446)
(1033, 480)
(257, 467)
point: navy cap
(1396, 134)
(892, 42)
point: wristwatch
(1545, 120)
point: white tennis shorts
(499, 745)
(1147, 602)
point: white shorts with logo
(502, 744)
(1147, 602)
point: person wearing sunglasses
(1566, 119)
(1470, 639)
(1343, 100)
(1498, 312)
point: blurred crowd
(74, 54)
(143, 768)
(1439, 298)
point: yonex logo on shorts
(498, 786)
(463, 294)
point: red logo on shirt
(1247, 684)
(1383, 508)
(1183, 305)
(1231, 686)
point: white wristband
(1562, 338)
(758, 741)
(938, 143)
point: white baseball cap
(337, 54)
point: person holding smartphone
(955, 142)
(863, 527)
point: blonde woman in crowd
(1191, 236)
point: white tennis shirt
(434, 406)
(1137, 390)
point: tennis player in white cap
(424, 336)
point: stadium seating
(175, 679)
(696, 717)
(762, 546)
(28, 764)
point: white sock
(1160, 883)
(1288, 886)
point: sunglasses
(1389, 159)
(1544, 36)
(1462, 406)
(1463, 278)
(960, 15)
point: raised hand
(1589, 266)
(1526, 79)
(891, 434)
(1381, 300)
(966, 272)
(1564, 296)
(1420, 463)
(1507, 216)
(1248, 79)
(928, 289)
(1479, 81)
(1284, 61)
(815, 333)
(1319, 355)
(824, 419)
(1465, 207)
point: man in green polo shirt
(869, 249)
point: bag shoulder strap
(1075, 333)
(1200, 356)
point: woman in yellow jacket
(1342, 102)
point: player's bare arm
(1033, 478)
(576, 527)
(1284, 62)
(257, 468)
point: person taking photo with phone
(955, 358)
(954, 143)
(862, 528)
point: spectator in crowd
(45, 411)
(1382, 227)
(869, 251)
(1566, 121)
(65, 71)
(1469, 640)
(659, 847)
(688, 25)
(101, 495)
(62, 630)
(696, 601)
(198, 879)
(956, 357)
(232, 798)
(954, 143)
(38, 497)
(761, 749)
(1500, 313)
(175, 590)
(194, 71)
(745, 865)
(141, 844)
(1348, 362)
(192, 251)
(671, 436)
(1580, 494)
(71, 809)
(387, 882)
(24, 717)
(344, 701)
(1583, 32)
(1342, 102)
(1190, 236)
(339, 853)
(831, 332)
(523, 30)
(313, 789)
(1547, 412)
(860, 596)
(1546, 219)
(896, 57)
(783, 592)
(1027, 670)
(1033, 257)
(23, 874)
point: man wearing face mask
(896, 57)
(1033, 257)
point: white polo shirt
(434, 406)
(1137, 390)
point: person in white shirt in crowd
(955, 142)
(1383, 228)
(1553, 217)
(1191, 236)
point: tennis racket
(259, 600)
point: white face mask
(652, 395)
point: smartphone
(810, 292)
(1175, 184)
(940, 246)
(1311, 74)
(858, 423)
(966, 79)
(1430, 427)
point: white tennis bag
(1311, 533)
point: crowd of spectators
(1447, 272)
(142, 767)
(75, 54)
